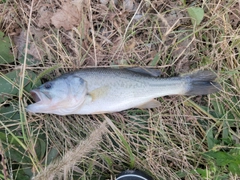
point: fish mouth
(39, 96)
(35, 96)
(42, 101)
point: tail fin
(201, 83)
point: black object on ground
(133, 175)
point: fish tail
(201, 83)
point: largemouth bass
(107, 90)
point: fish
(108, 90)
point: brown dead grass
(62, 167)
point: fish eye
(47, 85)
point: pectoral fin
(99, 92)
(150, 104)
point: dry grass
(62, 167)
(168, 142)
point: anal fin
(150, 104)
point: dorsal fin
(145, 71)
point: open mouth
(40, 97)
(35, 96)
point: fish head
(61, 96)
